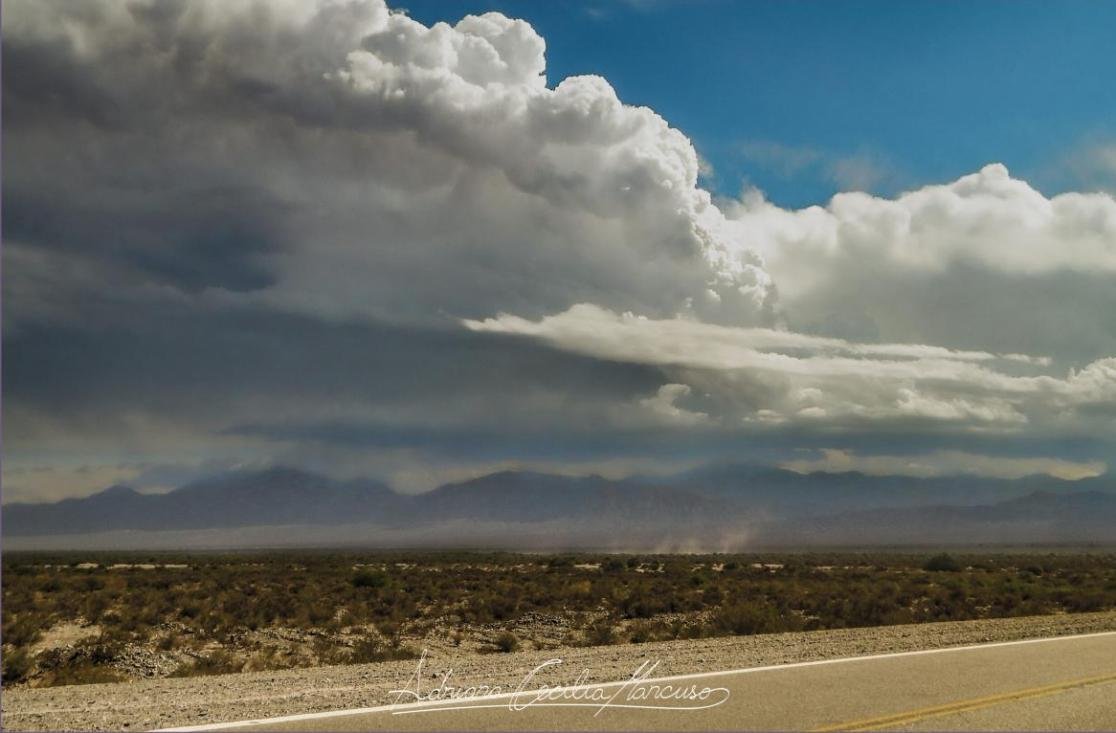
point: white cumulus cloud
(986, 260)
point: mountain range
(754, 504)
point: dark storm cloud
(92, 169)
(169, 359)
(43, 82)
(187, 239)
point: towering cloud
(340, 159)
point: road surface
(1066, 683)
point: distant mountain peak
(721, 501)
(115, 491)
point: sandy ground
(64, 634)
(169, 702)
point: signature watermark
(639, 691)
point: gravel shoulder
(148, 704)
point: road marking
(962, 706)
(392, 707)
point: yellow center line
(913, 716)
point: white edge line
(392, 707)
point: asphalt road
(1067, 683)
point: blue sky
(806, 98)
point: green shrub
(600, 634)
(372, 649)
(506, 642)
(219, 662)
(23, 629)
(84, 674)
(368, 579)
(645, 631)
(943, 562)
(17, 665)
(744, 618)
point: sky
(807, 99)
(629, 237)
